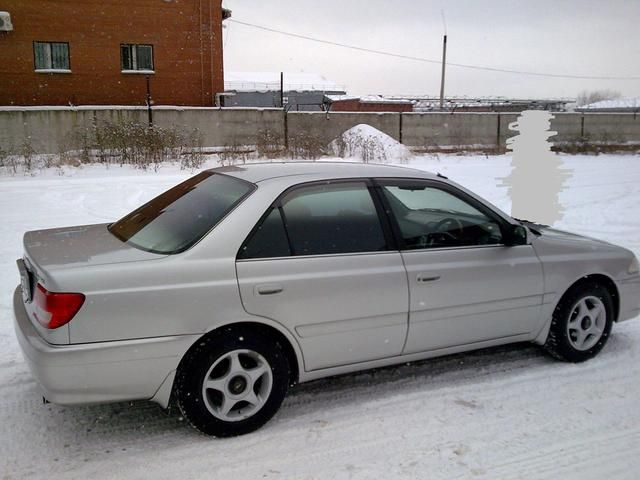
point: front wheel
(581, 323)
(232, 383)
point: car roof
(259, 172)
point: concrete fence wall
(329, 126)
(223, 127)
(52, 130)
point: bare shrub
(4, 157)
(306, 146)
(27, 152)
(269, 144)
(9, 160)
(83, 139)
(192, 157)
(131, 143)
(234, 151)
(365, 147)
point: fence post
(400, 133)
(498, 144)
(286, 129)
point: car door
(321, 262)
(466, 286)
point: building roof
(270, 81)
(258, 172)
(614, 105)
(369, 99)
(427, 104)
(341, 98)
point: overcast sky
(592, 38)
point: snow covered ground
(502, 413)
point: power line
(426, 60)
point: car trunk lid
(51, 250)
(71, 247)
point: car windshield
(175, 220)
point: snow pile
(616, 103)
(369, 145)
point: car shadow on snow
(119, 426)
(524, 361)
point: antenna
(444, 21)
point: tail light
(56, 309)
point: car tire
(232, 382)
(581, 323)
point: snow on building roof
(383, 99)
(632, 103)
(341, 98)
(270, 81)
(368, 99)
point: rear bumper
(97, 372)
(629, 298)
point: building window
(51, 56)
(135, 58)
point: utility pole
(444, 62)
(282, 89)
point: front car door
(323, 264)
(466, 286)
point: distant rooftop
(369, 99)
(270, 81)
(426, 104)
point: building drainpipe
(201, 54)
(149, 111)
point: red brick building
(97, 52)
(367, 103)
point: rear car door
(466, 286)
(321, 262)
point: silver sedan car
(224, 291)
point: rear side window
(175, 220)
(269, 239)
(319, 220)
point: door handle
(424, 278)
(268, 289)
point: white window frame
(133, 52)
(49, 58)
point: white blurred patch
(536, 178)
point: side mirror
(515, 235)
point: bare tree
(587, 97)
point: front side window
(136, 57)
(178, 218)
(318, 220)
(51, 55)
(430, 217)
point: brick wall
(187, 46)
(355, 105)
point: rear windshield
(175, 220)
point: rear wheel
(232, 383)
(581, 323)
